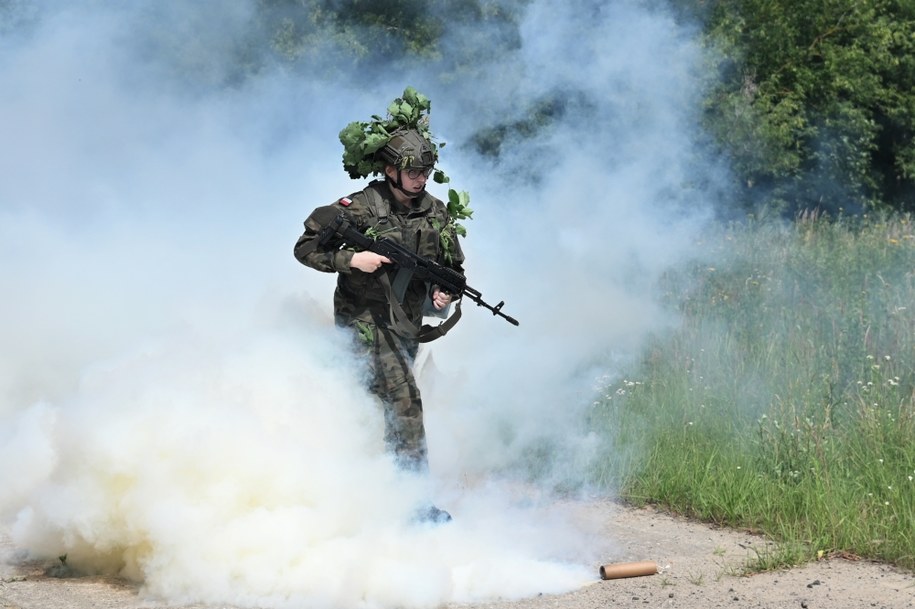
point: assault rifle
(446, 279)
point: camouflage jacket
(361, 296)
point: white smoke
(576, 251)
(175, 403)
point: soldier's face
(412, 182)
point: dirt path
(699, 568)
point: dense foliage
(387, 33)
(815, 102)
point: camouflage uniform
(360, 301)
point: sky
(175, 403)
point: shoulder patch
(345, 201)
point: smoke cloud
(175, 403)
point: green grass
(784, 403)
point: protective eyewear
(415, 173)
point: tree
(373, 33)
(816, 103)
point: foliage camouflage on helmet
(370, 145)
(363, 140)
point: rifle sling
(402, 325)
(401, 281)
(430, 333)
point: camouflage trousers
(390, 358)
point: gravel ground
(698, 569)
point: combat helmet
(408, 149)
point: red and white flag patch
(345, 201)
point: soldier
(383, 305)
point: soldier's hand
(368, 262)
(440, 299)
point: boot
(432, 515)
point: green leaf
(406, 110)
(458, 205)
(410, 95)
(352, 134)
(374, 142)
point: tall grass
(785, 400)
